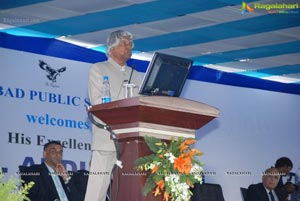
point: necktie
(271, 196)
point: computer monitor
(165, 75)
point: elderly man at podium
(119, 50)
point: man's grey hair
(115, 38)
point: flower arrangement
(9, 189)
(174, 168)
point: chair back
(244, 193)
(23, 171)
(207, 192)
(27, 173)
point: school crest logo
(51, 72)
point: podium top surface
(165, 102)
(155, 110)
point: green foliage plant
(10, 189)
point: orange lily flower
(183, 164)
(193, 152)
(190, 141)
(156, 192)
(183, 147)
(154, 169)
(166, 196)
(161, 184)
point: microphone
(132, 69)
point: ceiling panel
(215, 33)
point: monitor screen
(165, 75)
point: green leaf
(175, 146)
(193, 180)
(157, 177)
(168, 188)
(149, 185)
(182, 178)
(151, 142)
(196, 161)
(145, 160)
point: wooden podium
(159, 116)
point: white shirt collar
(51, 170)
(122, 68)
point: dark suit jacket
(257, 192)
(44, 187)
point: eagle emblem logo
(52, 73)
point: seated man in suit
(51, 181)
(266, 191)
